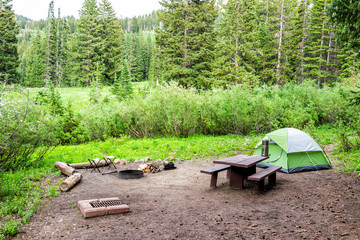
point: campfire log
(64, 168)
(99, 162)
(70, 182)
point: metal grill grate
(108, 203)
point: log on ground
(99, 163)
(65, 168)
(71, 181)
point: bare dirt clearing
(180, 204)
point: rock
(170, 158)
(123, 162)
(147, 159)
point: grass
(157, 148)
(21, 195)
(79, 96)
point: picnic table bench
(242, 167)
(214, 173)
(260, 176)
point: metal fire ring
(131, 174)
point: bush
(174, 111)
(24, 128)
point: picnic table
(241, 166)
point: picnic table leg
(213, 179)
(228, 173)
(236, 178)
(272, 179)
(261, 185)
(251, 170)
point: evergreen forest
(202, 44)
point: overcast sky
(38, 9)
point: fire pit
(131, 174)
(102, 206)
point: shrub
(175, 111)
(24, 128)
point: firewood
(99, 162)
(70, 182)
(64, 168)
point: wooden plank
(243, 161)
(264, 173)
(215, 169)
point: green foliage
(122, 87)
(175, 111)
(88, 42)
(186, 41)
(24, 128)
(8, 43)
(345, 14)
(125, 147)
(236, 44)
(147, 22)
(20, 197)
(51, 99)
(52, 191)
(112, 38)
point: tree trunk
(278, 66)
(70, 182)
(185, 33)
(64, 168)
(322, 44)
(302, 49)
(99, 162)
(329, 50)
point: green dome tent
(294, 151)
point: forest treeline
(196, 43)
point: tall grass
(176, 112)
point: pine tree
(23, 52)
(300, 35)
(187, 41)
(138, 65)
(275, 38)
(51, 48)
(122, 87)
(154, 68)
(236, 51)
(35, 71)
(113, 41)
(316, 49)
(9, 61)
(88, 44)
(64, 51)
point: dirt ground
(179, 204)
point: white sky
(38, 9)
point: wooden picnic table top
(243, 161)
